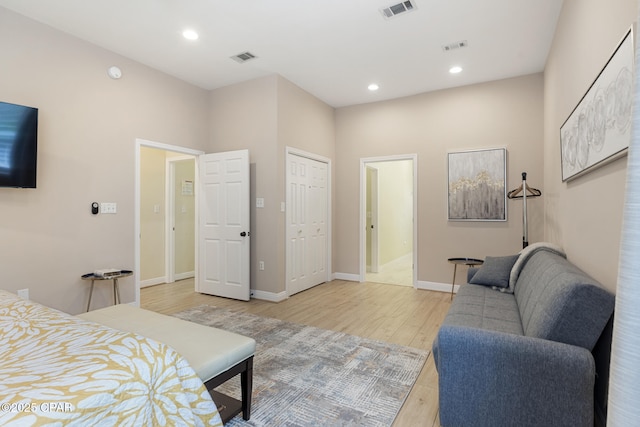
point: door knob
(243, 234)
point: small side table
(116, 290)
(469, 262)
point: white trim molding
(269, 296)
(346, 276)
(436, 286)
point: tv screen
(18, 145)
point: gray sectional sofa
(518, 351)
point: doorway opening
(220, 192)
(388, 238)
(165, 203)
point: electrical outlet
(260, 265)
(23, 293)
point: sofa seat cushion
(481, 307)
(209, 351)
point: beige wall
(184, 221)
(395, 214)
(88, 124)
(266, 115)
(585, 215)
(153, 216)
(152, 224)
(307, 124)
(244, 116)
(506, 113)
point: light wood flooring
(396, 272)
(395, 314)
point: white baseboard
(346, 276)
(163, 279)
(185, 275)
(421, 284)
(435, 286)
(154, 281)
(268, 296)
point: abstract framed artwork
(477, 185)
(598, 130)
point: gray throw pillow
(495, 271)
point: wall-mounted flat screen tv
(18, 145)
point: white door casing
(224, 235)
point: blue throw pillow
(495, 271)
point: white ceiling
(333, 49)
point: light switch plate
(259, 202)
(108, 208)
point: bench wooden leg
(246, 382)
(228, 406)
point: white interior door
(223, 240)
(317, 213)
(307, 213)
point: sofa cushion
(495, 271)
(559, 302)
(482, 307)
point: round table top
(91, 276)
(466, 261)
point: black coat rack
(524, 192)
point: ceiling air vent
(243, 57)
(397, 9)
(454, 46)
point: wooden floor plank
(396, 314)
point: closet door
(307, 212)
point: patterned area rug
(305, 376)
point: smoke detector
(397, 9)
(114, 72)
(243, 57)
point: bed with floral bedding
(57, 369)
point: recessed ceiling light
(190, 35)
(455, 70)
(373, 87)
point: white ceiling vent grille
(454, 46)
(243, 57)
(397, 9)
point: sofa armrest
(489, 378)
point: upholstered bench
(214, 354)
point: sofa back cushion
(558, 301)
